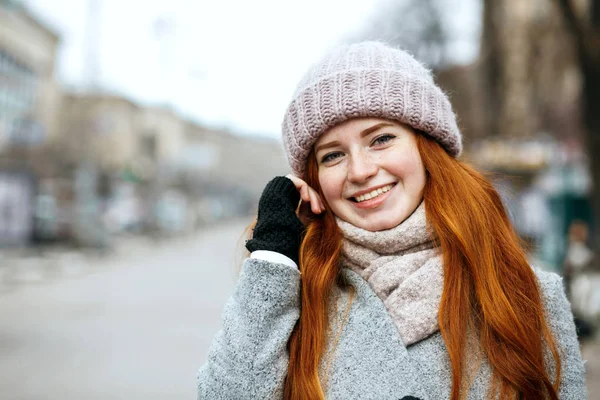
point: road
(136, 326)
(133, 325)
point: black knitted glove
(278, 228)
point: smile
(374, 194)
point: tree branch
(595, 12)
(575, 25)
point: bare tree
(586, 37)
(491, 66)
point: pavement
(43, 264)
(133, 323)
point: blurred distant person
(579, 257)
(582, 280)
(399, 276)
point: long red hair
(489, 287)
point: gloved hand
(278, 228)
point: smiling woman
(371, 172)
(399, 275)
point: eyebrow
(364, 133)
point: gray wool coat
(248, 358)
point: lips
(374, 202)
(365, 196)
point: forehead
(353, 128)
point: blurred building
(230, 170)
(161, 138)
(245, 161)
(100, 129)
(160, 171)
(531, 132)
(519, 109)
(29, 92)
(116, 134)
(77, 165)
(29, 99)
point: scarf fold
(403, 268)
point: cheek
(417, 176)
(409, 167)
(416, 169)
(332, 185)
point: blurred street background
(133, 325)
(136, 138)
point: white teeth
(374, 193)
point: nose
(361, 168)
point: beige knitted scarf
(403, 268)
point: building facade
(29, 99)
(101, 129)
(29, 93)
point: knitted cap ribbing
(368, 79)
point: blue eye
(383, 139)
(330, 157)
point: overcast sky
(230, 63)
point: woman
(411, 281)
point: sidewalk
(33, 265)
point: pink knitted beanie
(368, 79)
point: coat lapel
(370, 359)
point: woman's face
(370, 172)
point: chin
(382, 222)
(379, 224)
(381, 227)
